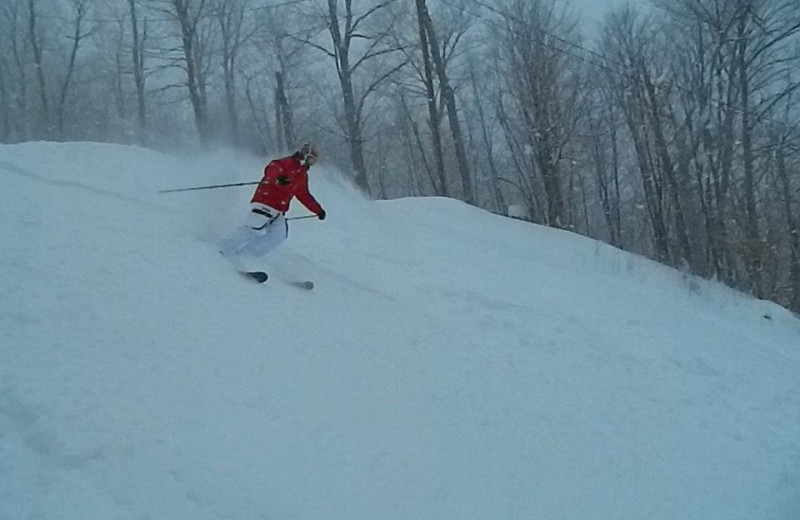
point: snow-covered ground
(450, 363)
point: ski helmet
(309, 153)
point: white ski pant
(263, 230)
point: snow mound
(449, 363)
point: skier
(265, 227)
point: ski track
(13, 168)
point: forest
(669, 128)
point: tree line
(671, 130)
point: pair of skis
(262, 277)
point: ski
(258, 276)
(307, 285)
(262, 277)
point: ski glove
(321, 215)
(283, 180)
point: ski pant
(263, 230)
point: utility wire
(172, 19)
(606, 64)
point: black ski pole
(212, 187)
(299, 218)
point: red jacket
(284, 179)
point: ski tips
(261, 277)
(258, 276)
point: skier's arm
(305, 197)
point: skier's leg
(251, 229)
(267, 240)
(237, 240)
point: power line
(172, 19)
(606, 64)
(549, 35)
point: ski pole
(299, 218)
(212, 187)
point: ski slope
(450, 363)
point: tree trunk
(421, 147)
(137, 55)
(434, 122)
(119, 75)
(607, 183)
(231, 21)
(284, 120)
(230, 100)
(616, 217)
(345, 72)
(5, 131)
(33, 36)
(449, 98)
(20, 104)
(488, 143)
(262, 124)
(80, 12)
(667, 166)
(721, 178)
(188, 42)
(653, 191)
(793, 224)
(753, 246)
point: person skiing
(265, 226)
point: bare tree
(487, 136)
(603, 126)
(545, 83)
(139, 37)
(761, 28)
(5, 131)
(34, 39)
(782, 138)
(284, 116)
(230, 16)
(416, 152)
(367, 27)
(449, 100)
(16, 73)
(627, 40)
(520, 159)
(80, 10)
(189, 16)
(287, 51)
(434, 119)
(703, 45)
(259, 117)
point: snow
(517, 211)
(449, 364)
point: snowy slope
(450, 364)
